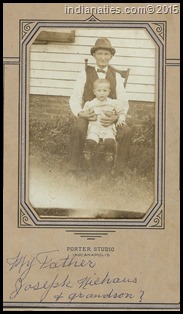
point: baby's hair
(101, 81)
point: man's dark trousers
(78, 140)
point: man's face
(102, 57)
(101, 91)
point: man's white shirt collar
(105, 69)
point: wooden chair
(124, 73)
(100, 150)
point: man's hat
(103, 43)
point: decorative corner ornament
(158, 220)
(26, 27)
(159, 29)
(24, 219)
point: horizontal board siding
(60, 57)
(57, 75)
(140, 88)
(127, 52)
(117, 42)
(70, 68)
(52, 83)
(110, 33)
(63, 84)
(139, 79)
(55, 67)
(64, 75)
(67, 92)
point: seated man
(103, 52)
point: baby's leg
(92, 138)
(109, 150)
(109, 145)
(90, 144)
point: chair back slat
(86, 63)
(124, 73)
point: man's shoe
(122, 174)
(87, 155)
(71, 168)
(118, 174)
(109, 158)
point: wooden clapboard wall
(54, 66)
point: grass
(87, 195)
(52, 191)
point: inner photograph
(91, 134)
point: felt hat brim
(94, 49)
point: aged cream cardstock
(81, 263)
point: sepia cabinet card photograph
(91, 156)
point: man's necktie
(101, 71)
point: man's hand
(88, 114)
(120, 123)
(109, 118)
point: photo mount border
(26, 305)
(26, 34)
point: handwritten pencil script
(48, 276)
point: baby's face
(101, 91)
